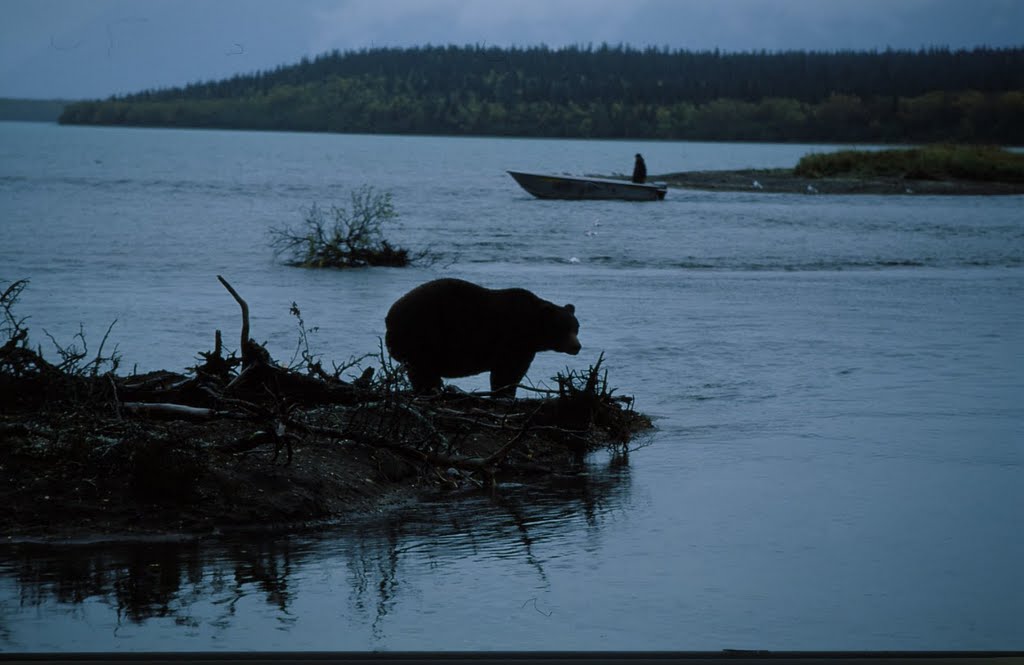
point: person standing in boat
(639, 169)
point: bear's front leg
(423, 380)
(507, 375)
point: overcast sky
(95, 48)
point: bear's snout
(572, 346)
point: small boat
(570, 187)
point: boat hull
(574, 188)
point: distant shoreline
(785, 181)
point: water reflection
(220, 583)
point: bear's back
(434, 317)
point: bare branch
(245, 312)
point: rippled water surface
(836, 383)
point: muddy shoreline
(93, 469)
(73, 478)
(784, 181)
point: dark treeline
(609, 92)
(36, 110)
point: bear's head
(561, 329)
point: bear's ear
(570, 309)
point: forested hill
(606, 92)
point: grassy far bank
(933, 162)
(932, 169)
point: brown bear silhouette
(451, 328)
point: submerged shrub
(341, 237)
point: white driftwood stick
(171, 410)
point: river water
(836, 383)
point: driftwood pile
(241, 439)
